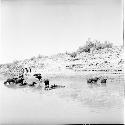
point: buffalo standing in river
(103, 81)
(93, 81)
(9, 81)
(38, 76)
(15, 80)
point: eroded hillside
(93, 57)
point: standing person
(26, 71)
(46, 81)
(30, 69)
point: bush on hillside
(83, 49)
(15, 62)
(33, 58)
(73, 54)
(96, 45)
(40, 56)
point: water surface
(76, 103)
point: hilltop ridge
(94, 56)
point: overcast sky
(32, 27)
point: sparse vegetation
(32, 58)
(94, 45)
(92, 56)
(16, 62)
(73, 54)
(40, 56)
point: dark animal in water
(53, 86)
(46, 81)
(23, 84)
(56, 86)
(103, 81)
(33, 84)
(18, 80)
(21, 76)
(38, 76)
(9, 81)
(92, 80)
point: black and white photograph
(62, 62)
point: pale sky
(32, 27)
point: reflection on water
(109, 96)
(77, 101)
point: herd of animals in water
(20, 81)
(99, 81)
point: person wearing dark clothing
(46, 81)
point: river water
(76, 103)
